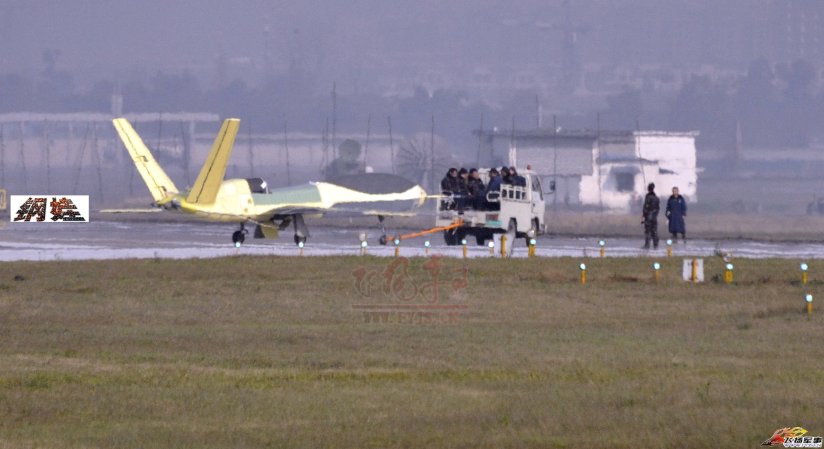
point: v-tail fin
(158, 182)
(207, 184)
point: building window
(625, 182)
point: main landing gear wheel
(383, 240)
(301, 231)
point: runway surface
(140, 239)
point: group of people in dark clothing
(468, 190)
(675, 213)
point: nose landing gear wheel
(238, 237)
(300, 239)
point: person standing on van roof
(476, 188)
(494, 185)
(517, 180)
(449, 183)
(463, 179)
(462, 193)
(449, 187)
(506, 178)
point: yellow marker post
(728, 273)
(426, 245)
(503, 245)
(694, 272)
(603, 244)
(583, 268)
(656, 268)
(804, 273)
(397, 242)
(809, 300)
(669, 247)
(491, 247)
(531, 252)
(463, 242)
(300, 248)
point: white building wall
(673, 154)
(591, 194)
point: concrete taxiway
(142, 239)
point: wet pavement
(141, 239)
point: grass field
(269, 352)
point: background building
(607, 169)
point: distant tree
(623, 109)
(799, 104)
(757, 105)
(348, 163)
(704, 105)
(54, 87)
(175, 92)
(15, 93)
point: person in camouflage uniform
(650, 217)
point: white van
(515, 211)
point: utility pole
(286, 146)
(334, 120)
(391, 144)
(47, 150)
(80, 157)
(97, 161)
(23, 157)
(366, 145)
(251, 151)
(187, 149)
(539, 112)
(432, 156)
(599, 160)
(324, 163)
(555, 161)
(513, 151)
(480, 141)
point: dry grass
(267, 352)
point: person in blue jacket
(676, 212)
(494, 185)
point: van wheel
(482, 236)
(535, 227)
(454, 238)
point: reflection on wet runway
(123, 240)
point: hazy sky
(112, 38)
